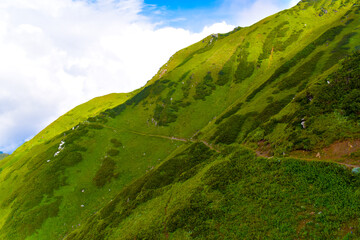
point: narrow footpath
(172, 138)
(185, 140)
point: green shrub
(196, 216)
(219, 176)
(42, 180)
(92, 119)
(116, 143)
(226, 73)
(113, 152)
(35, 217)
(245, 69)
(338, 86)
(105, 173)
(228, 131)
(292, 39)
(329, 108)
(270, 99)
(302, 74)
(175, 169)
(223, 35)
(76, 134)
(165, 114)
(142, 190)
(229, 113)
(351, 103)
(156, 88)
(273, 108)
(205, 87)
(339, 52)
(271, 40)
(71, 159)
(166, 109)
(183, 77)
(186, 87)
(329, 35)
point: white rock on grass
(61, 147)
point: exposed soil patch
(341, 149)
(264, 149)
(344, 152)
(336, 150)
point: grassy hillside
(69, 120)
(81, 113)
(246, 135)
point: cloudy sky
(56, 54)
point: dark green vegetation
(105, 172)
(272, 42)
(329, 35)
(45, 175)
(245, 69)
(205, 87)
(225, 74)
(180, 157)
(237, 197)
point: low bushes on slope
(33, 202)
(329, 35)
(177, 169)
(238, 197)
(327, 111)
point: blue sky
(184, 4)
(194, 15)
(57, 54)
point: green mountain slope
(233, 138)
(79, 114)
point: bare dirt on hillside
(342, 152)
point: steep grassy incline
(77, 115)
(199, 193)
(42, 140)
(176, 160)
(81, 113)
(232, 196)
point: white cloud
(293, 3)
(247, 12)
(257, 11)
(56, 54)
